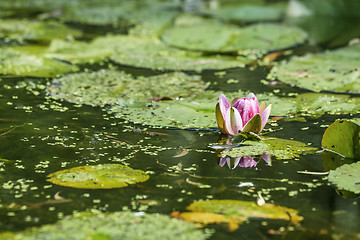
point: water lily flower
(243, 114)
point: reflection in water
(244, 161)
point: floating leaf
(212, 36)
(247, 11)
(346, 177)
(236, 210)
(206, 218)
(113, 87)
(35, 30)
(13, 62)
(335, 71)
(277, 147)
(342, 137)
(103, 176)
(112, 226)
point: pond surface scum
(108, 126)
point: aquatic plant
(242, 115)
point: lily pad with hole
(34, 30)
(277, 147)
(247, 11)
(213, 36)
(111, 226)
(342, 137)
(13, 62)
(346, 177)
(236, 211)
(335, 71)
(103, 176)
(106, 87)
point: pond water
(40, 135)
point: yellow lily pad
(245, 209)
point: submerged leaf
(111, 226)
(103, 176)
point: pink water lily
(243, 114)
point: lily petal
(235, 120)
(223, 104)
(265, 116)
(262, 107)
(220, 119)
(266, 158)
(254, 125)
(236, 162)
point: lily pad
(343, 137)
(113, 87)
(335, 71)
(19, 63)
(241, 210)
(33, 30)
(277, 147)
(112, 226)
(103, 176)
(139, 51)
(212, 36)
(152, 53)
(346, 177)
(247, 11)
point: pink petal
(223, 161)
(224, 105)
(265, 116)
(266, 157)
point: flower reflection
(244, 161)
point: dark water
(41, 136)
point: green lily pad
(213, 36)
(343, 137)
(237, 208)
(113, 87)
(139, 51)
(247, 11)
(35, 30)
(103, 176)
(346, 177)
(13, 62)
(277, 147)
(335, 71)
(152, 53)
(112, 226)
